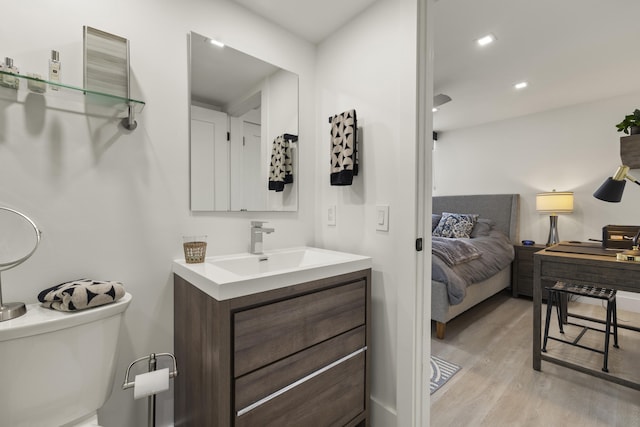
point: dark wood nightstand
(522, 271)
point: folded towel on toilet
(81, 294)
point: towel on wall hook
(281, 168)
(344, 155)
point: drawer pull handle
(299, 382)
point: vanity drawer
(272, 332)
(259, 384)
(332, 398)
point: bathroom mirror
(240, 109)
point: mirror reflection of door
(209, 160)
(253, 191)
(246, 171)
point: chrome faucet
(256, 236)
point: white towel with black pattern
(81, 294)
(281, 167)
(344, 149)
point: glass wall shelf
(44, 87)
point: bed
(501, 211)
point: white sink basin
(250, 265)
(231, 276)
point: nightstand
(522, 271)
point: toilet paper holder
(153, 361)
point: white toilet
(56, 368)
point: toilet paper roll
(151, 383)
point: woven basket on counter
(194, 252)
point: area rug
(441, 372)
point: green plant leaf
(630, 120)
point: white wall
(113, 204)
(571, 149)
(370, 65)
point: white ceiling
(312, 20)
(569, 51)
(235, 72)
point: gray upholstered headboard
(502, 208)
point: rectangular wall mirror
(243, 131)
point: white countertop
(230, 276)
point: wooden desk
(596, 270)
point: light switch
(382, 217)
(331, 215)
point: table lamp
(554, 203)
(611, 191)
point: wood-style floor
(497, 385)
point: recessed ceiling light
(434, 109)
(488, 39)
(521, 85)
(216, 43)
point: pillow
(435, 219)
(455, 225)
(482, 228)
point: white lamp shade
(555, 202)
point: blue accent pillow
(455, 225)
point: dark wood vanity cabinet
(295, 356)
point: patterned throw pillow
(455, 225)
(435, 220)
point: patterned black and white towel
(81, 294)
(344, 155)
(281, 168)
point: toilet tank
(58, 367)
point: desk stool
(556, 292)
